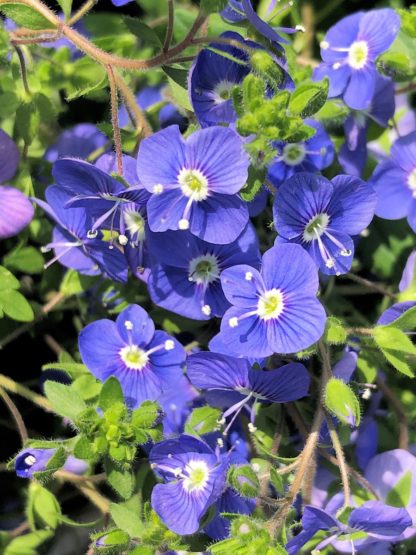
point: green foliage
(127, 517)
(120, 479)
(24, 259)
(335, 333)
(397, 348)
(25, 16)
(408, 21)
(399, 495)
(309, 98)
(255, 181)
(342, 402)
(212, 6)
(13, 303)
(111, 542)
(28, 544)
(64, 399)
(244, 480)
(43, 509)
(203, 420)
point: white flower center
(222, 91)
(411, 182)
(270, 304)
(30, 460)
(294, 154)
(316, 227)
(134, 357)
(358, 54)
(193, 183)
(135, 224)
(197, 474)
(204, 269)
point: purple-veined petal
(394, 197)
(360, 88)
(208, 370)
(379, 28)
(83, 179)
(16, 211)
(380, 520)
(288, 383)
(135, 326)
(9, 157)
(241, 285)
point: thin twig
(131, 103)
(114, 118)
(79, 14)
(400, 413)
(370, 285)
(48, 307)
(341, 461)
(14, 411)
(169, 28)
(23, 71)
(13, 387)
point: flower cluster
(225, 371)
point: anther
(128, 325)
(123, 240)
(158, 189)
(233, 322)
(92, 233)
(183, 224)
(324, 45)
(169, 345)
(206, 309)
(249, 276)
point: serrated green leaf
(122, 481)
(397, 348)
(143, 32)
(16, 306)
(25, 16)
(64, 400)
(87, 387)
(309, 98)
(43, 509)
(202, 420)
(146, 415)
(83, 449)
(342, 402)
(127, 519)
(335, 333)
(28, 543)
(88, 89)
(111, 393)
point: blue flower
(349, 51)
(147, 99)
(377, 520)
(145, 362)
(238, 10)
(186, 278)
(353, 153)
(312, 155)
(194, 477)
(176, 405)
(395, 182)
(31, 460)
(274, 311)
(72, 242)
(16, 210)
(78, 142)
(244, 386)
(322, 215)
(195, 182)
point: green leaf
(408, 21)
(397, 348)
(244, 480)
(25, 16)
(7, 280)
(111, 393)
(28, 543)
(399, 495)
(9, 103)
(121, 480)
(335, 333)
(43, 509)
(64, 400)
(212, 6)
(146, 415)
(25, 259)
(277, 481)
(342, 402)
(88, 89)
(66, 6)
(405, 322)
(27, 121)
(255, 181)
(127, 518)
(56, 462)
(396, 65)
(309, 98)
(16, 306)
(178, 82)
(332, 114)
(202, 420)
(143, 32)
(117, 539)
(83, 449)
(74, 283)
(73, 369)
(87, 387)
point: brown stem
(130, 100)
(13, 387)
(370, 285)
(400, 413)
(85, 8)
(19, 530)
(20, 425)
(408, 88)
(342, 465)
(169, 29)
(23, 71)
(114, 119)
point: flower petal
(16, 211)
(216, 371)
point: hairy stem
(114, 119)
(370, 285)
(169, 29)
(13, 387)
(84, 9)
(131, 103)
(341, 461)
(20, 425)
(23, 71)
(400, 413)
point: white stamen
(123, 240)
(128, 325)
(337, 65)
(206, 309)
(324, 45)
(256, 467)
(183, 224)
(158, 189)
(249, 276)
(233, 322)
(300, 28)
(92, 234)
(30, 460)
(169, 345)
(220, 442)
(251, 428)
